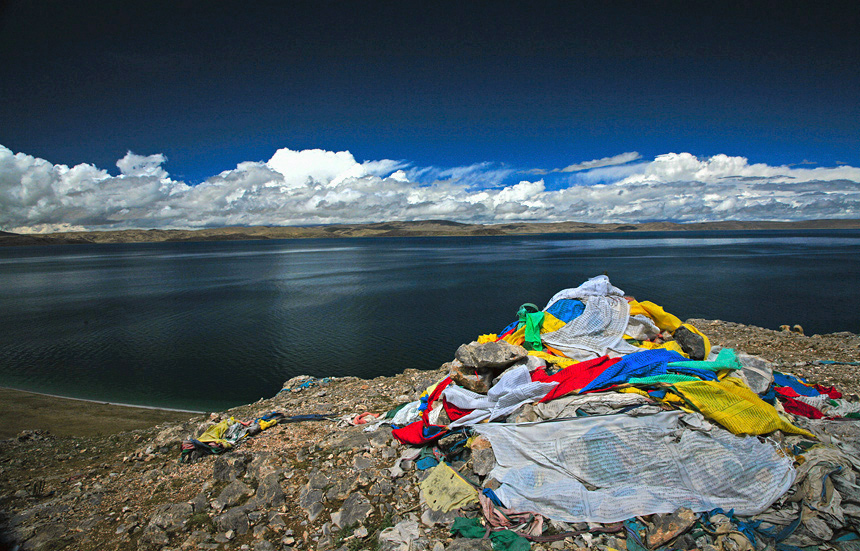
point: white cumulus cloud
(320, 187)
(142, 165)
(674, 167)
(316, 165)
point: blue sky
(505, 92)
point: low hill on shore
(400, 229)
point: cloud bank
(323, 187)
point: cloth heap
(620, 410)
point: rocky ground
(793, 352)
(305, 485)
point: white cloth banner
(611, 468)
(597, 286)
(600, 327)
(514, 388)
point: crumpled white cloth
(613, 467)
(401, 536)
(597, 286)
(407, 414)
(641, 327)
(598, 403)
(600, 327)
(514, 388)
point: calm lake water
(206, 326)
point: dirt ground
(21, 410)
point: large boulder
(230, 466)
(490, 355)
(355, 509)
(232, 494)
(476, 365)
(483, 458)
(235, 519)
(469, 377)
(310, 499)
(172, 517)
(691, 343)
(269, 492)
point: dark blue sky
(523, 84)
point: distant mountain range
(399, 229)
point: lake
(210, 325)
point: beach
(20, 411)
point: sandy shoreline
(22, 410)
(100, 401)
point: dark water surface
(211, 325)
